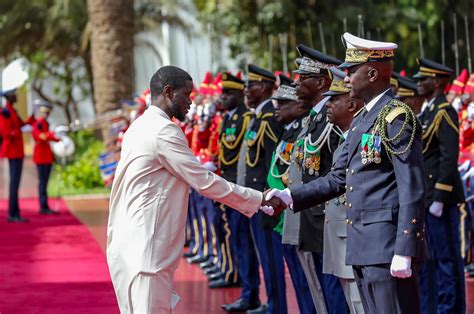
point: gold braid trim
(259, 140)
(433, 129)
(223, 143)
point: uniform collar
(231, 113)
(290, 125)
(260, 107)
(317, 108)
(372, 103)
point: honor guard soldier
(231, 136)
(442, 276)
(341, 109)
(12, 149)
(260, 139)
(289, 112)
(42, 155)
(380, 169)
(313, 158)
(408, 93)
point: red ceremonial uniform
(12, 146)
(42, 154)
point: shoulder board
(396, 111)
(359, 111)
(267, 115)
(444, 105)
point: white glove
(401, 266)
(468, 174)
(267, 210)
(436, 209)
(209, 165)
(284, 195)
(464, 166)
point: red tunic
(12, 146)
(42, 154)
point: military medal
(371, 149)
(377, 149)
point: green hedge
(81, 173)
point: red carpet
(51, 265)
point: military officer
(42, 155)
(231, 136)
(313, 158)
(12, 149)
(341, 109)
(380, 169)
(442, 276)
(291, 114)
(407, 92)
(260, 140)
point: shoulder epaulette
(359, 111)
(267, 115)
(248, 114)
(444, 105)
(398, 109)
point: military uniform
(382, 176)
(279, 177)
(443, 276)
(42, 155)
(12, 149)
(313, 157)
(231, 136)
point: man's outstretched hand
(272, 205)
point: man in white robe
(149, 199)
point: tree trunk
(112, 24)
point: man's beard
(176, 113)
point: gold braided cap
(354, 55)
(339, 87)
(405, 92)
(258, 78)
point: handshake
(276, 201)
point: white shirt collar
(372, 103)
(231, 113)
(260, 107)
(426, 104)
(290, 125)
(317, 108)
(345, 134)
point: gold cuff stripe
(444, 187)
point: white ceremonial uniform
(148, 208)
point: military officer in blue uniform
(291, 113)
(341, 109)
(407, 92)
(442, 276)
(256, 153)
(380, 169)
(313, 157)
(231, 136)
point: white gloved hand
(436, 209)
(209, 165)
(401, 266)
(464, 166)
(468, 174)
(267, 210)
(284, 195)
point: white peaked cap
(365, 44)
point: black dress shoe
(47, 211)
(215, 276)
(17, 219)
(221, 283)
(207, 264)
(262, 309)
(197, 259)
(212, 270)
(241, 305)
(188, 254)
